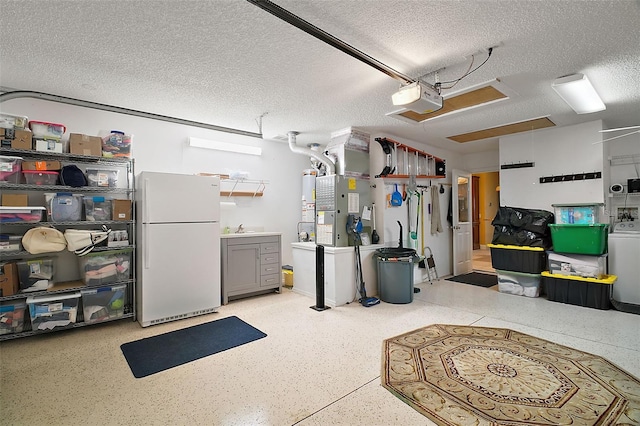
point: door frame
(462, 227)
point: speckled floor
(313, 368)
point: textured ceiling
(227, 62)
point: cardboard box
(85, 145)
(41, 165)
(16, 139)
(15, 200)
(48, 145)
(8, 279)
(121, 209)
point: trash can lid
(390, 252)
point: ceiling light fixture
(422, 99)
(577, 91)
(224, 146)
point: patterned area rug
(461, 375)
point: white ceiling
(227, 62)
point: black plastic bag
(520, 237)
(527, 219)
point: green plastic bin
(579, 238)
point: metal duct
(311, 153)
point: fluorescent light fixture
(407, 94)
(618, 129)
(224, 146)
(577, 91)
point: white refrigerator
(178, 238)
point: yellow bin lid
(501, 246)
(607, 279)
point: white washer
(624, 262)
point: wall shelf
(404, 162)
(239, 187)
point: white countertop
(250, 234)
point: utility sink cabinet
(251, 264)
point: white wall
(555, 151)
(162, 146)
(486, 161)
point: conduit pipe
(328, 162)
(8, 95)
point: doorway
(485, 203)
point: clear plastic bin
(43, 129)
(10, 168)
(519, 283)
(21, 214)
(97, 208)
(40, 177)
(582, 214)
(64, 207)
(35, 274)
(12, 317)
(10, 243)
(49, 312)
(11, 121)
(116, 144)
(105, 267)
(104, 303)
(102, 178)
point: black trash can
(395, 274)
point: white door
(178, 270)
(462, 225)
(169, 197)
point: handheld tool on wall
(375, 238)
(387, 148)
(396, 197)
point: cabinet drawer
(273, 247)
(272, 268)
(271, 280)
(269, 258)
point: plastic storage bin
(104, 303)
(12, 317)
(64, 207)
(40, 177)
(531, 260)
(519, 283)
(21, 214)
(49, 312)
(582, 214)
(579, 239)
(43, 129)
(10, 168)
(97, 208)
(105, 267)
(116, 144)
(581, 265)
(10, 121)
(587, 292)
(102, 178)
(35, 274)
(10, 243)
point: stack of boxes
(577, 264)
(518, 249)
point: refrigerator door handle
(145, 205)
(145, 246)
